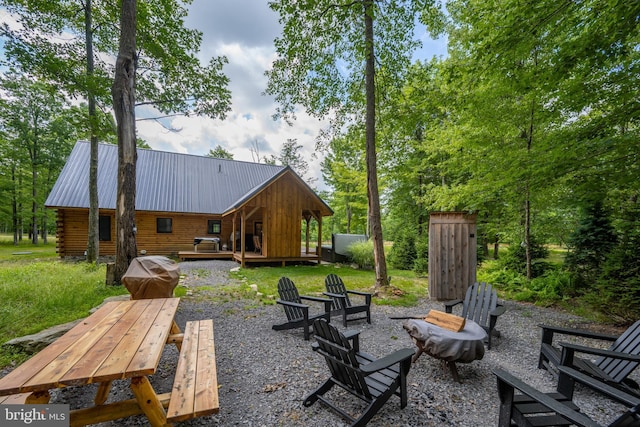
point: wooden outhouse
(452, 254)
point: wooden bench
(195, 388)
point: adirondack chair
(298, 313)
(480, 305)
(341, 303)
(533, 407)
(370, 379)
(613, 364)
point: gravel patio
(264, 375)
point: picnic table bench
(195, 390)
(124, 340)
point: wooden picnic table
(121, 340)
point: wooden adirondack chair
(341, 303)
(533, 407)
(480, 305)
(298, 313)
(613, 364)
(370, 379)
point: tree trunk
(372, 170)
(34, 187)
(14, 205)
(123, 93)
(93, 243)
(527, 206)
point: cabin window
(104, 228)
(164, 225)
(214, 226)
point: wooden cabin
(192, 207)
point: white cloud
(243, 31)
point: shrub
(516, 259)
(617, 289)
(421, 263)
(403, 252)
(589, 245)
(362, 254)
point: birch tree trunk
(123, 93)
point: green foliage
(344, 170)
(618, 286)
(553, 287)
(321, 53)
(37, 137)
(421, 264)
(362, 254)
(403, 252)
(590, 244)
(515, 259)
(220, 153)
(52, 45)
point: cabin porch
(249, 257)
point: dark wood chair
(531, 407)
(372, 380)
(612, 365)
(341, 303)
(480, 305)
(298, 313)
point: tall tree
(124, 97)
(37, 135)
(326, 48)
(290, 155)
(124, 93)
(344, 170)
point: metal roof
(165, 182)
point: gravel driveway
(264, 375)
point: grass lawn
(37, 290)
(406, 288)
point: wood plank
(447, 321)
(49, 376)
(206, 399)
(13, 382)
(110, 411)
(130, 345)
(150, 349)
(91, 352)
(183, 391)
(26, 398)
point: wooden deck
(249, 257)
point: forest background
(531, 122)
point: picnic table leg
(149, 402)
(175, 331)
(102, 393)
